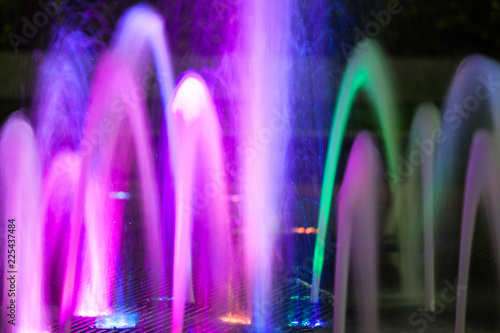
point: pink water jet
(21, 188)
(115, 124)
(357, 232)
(58, 194)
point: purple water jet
(265, 132)
(58, 194)
(482, 186)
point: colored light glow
(300, 298)
(236, 319)
(117, 320)
(120, 195)
(307, 231)
(368, 70)
(165, 298)
(306, 323)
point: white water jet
(415, 207)
(23, 247)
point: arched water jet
(141, 32)
(21, 187)
(139, 38)
(357, 232)
(116, 122)
(476, 81)
(482, 185)
(199, 140)
(366, 70)
(415, 205)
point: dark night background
(442, 31)
(423, 28)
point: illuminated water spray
(120, 123)
(264, 139)
(357, 233)
(415, 206)
(471, 104)
(139, 39)
(201, 196)
(21, 188)
(116, 118)
(58, 194)
(89, 143)
(366, 70)
(482, 184)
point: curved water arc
(482, 185)
(357, 225)
(368, 70)
(114, 75)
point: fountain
(108, 162)
(168, 207)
